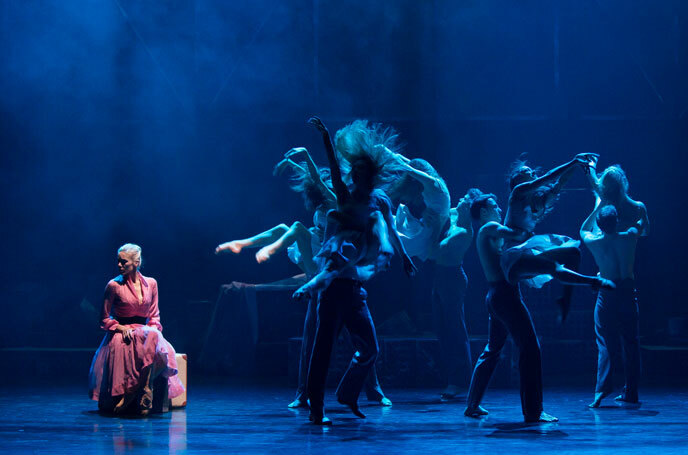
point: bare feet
(476, 411)
(622, 399)
(235, 246)
(264, 254)
(384, 401)
(599, 396)
(319, 420)
(543, 418)
(298, 403)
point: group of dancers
(370, 203)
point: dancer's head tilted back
(613, 183)
(520, 172)
(484, 207)
(368, 154)
(607, 219)
(129, 259)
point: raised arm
(340, 189)
(429, 182)
(554, 176)
(313, 172)
(588, 226)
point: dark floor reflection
(256, 420)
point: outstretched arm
(340, 189)
(554, 176)
(313, 171)
(429, 182)
(285, 163)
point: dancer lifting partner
(302, 243)
(507, 315)
(359, 241)
(423, 222)
(545, 256)
(612, 243)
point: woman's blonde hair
(132, 248)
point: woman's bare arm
(340, 189)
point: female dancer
(134, 352)
(360, 236)
(358, 243)
(543, 257)
(302, 242)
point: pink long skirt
(117, 366)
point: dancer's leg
(448, 292)
(607, 337)
(296, 233)
(359, 323)
(264, 238)
(372, 387)
(325, 335)
(486, 364)
(513, 313)
(309, 326)
(628, 326)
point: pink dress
(117, 366)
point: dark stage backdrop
(159, 123)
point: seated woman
(133, 352)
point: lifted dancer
(507, 315)
(616, 313)
(543, 257)
(358, 243)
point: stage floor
(255, 419)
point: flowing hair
(303, 182)
(371, 142)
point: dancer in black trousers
(508, 315)
(359, 241)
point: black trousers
(343, 303)
(509, 315)
(448, 295)
(616, 327)
(372, 387)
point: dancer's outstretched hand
(295, 151)
(409, 266)
(280, 167)
(587, 159)
(316, 122)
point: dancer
(611, 187)
(358, 242)
(361, 238)
(133, 352)
(302, 244)
(507, 315)
(616, 313)
(423, 222)
(543, 257)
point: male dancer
(616, 312)
(431, 231)
(507, 314)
